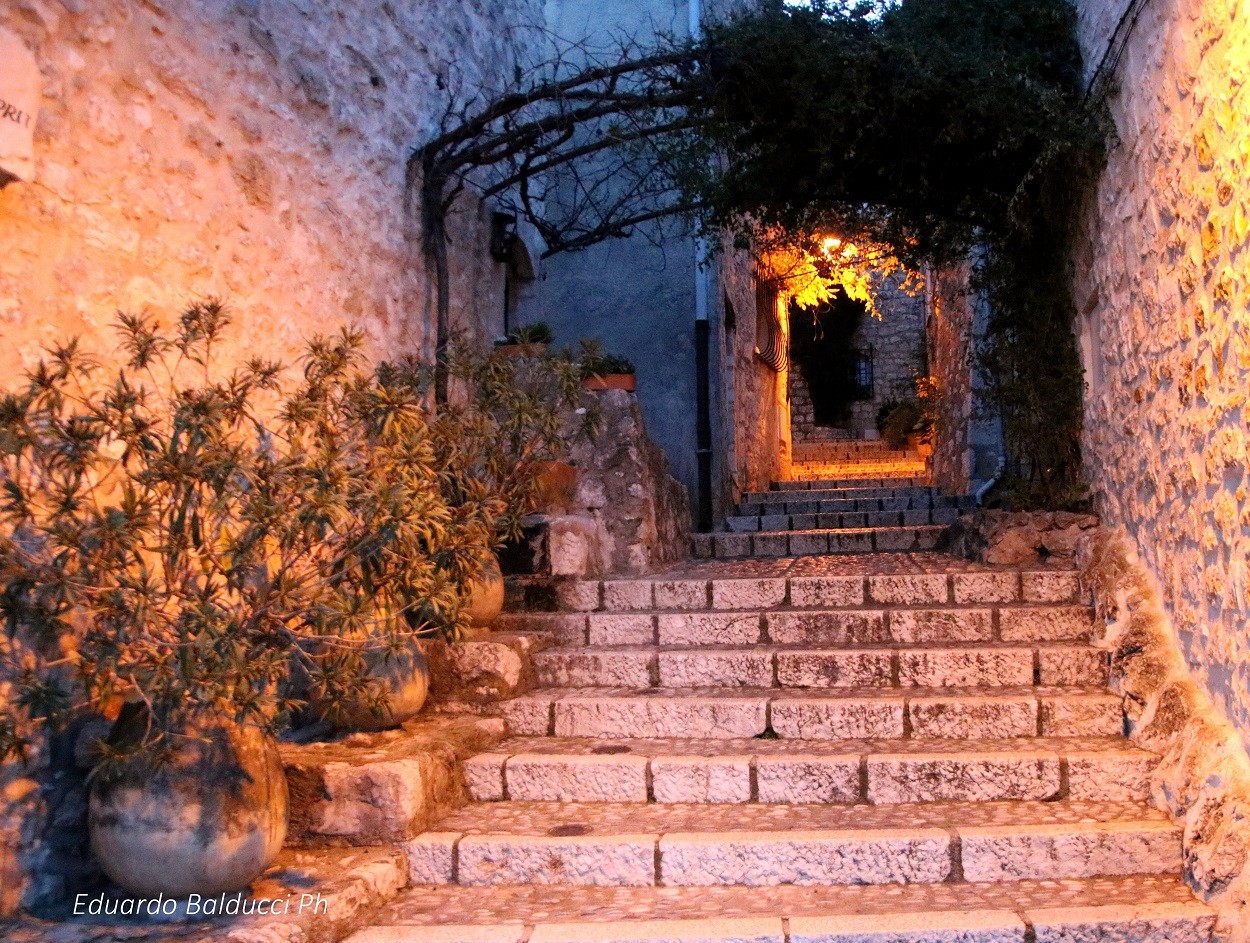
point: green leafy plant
(902, 420)
(595, 363)
(537, 333)
(178, 536)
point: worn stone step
(1128, 909)
(852, 626)
(843, 506)
(843, 586)
(644, 844)
(865, 493)
(781, 543)
(852, 481)
(582, 769)
(854, 520)
(990, 664)
(845, 714)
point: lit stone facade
(252, 151)
(1163, 283)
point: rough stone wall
(897, 341)
(949, 338)
(1203, 776)
(629, 514)
(758, 406)
(1163, 283)
(252, 150)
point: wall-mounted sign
(19, 107)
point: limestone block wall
(897, 341)
(1163, 284)
(248, 149)
(950, 343)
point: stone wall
(897, 342)
(251, 150)
(949, 338)
(1163, 284)
(756, 413)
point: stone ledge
(381, 788)
(1203, 777)
(1023, 537)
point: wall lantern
(20, 86)
(502, 236)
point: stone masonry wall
(252, 150)
(949, 339)
(897, 341)
(1163, 284)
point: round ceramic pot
(403, 677)
(486, 595)
(207, 822)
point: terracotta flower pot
(486, 595)
(208, 822)
(611, 381)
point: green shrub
(595, 363)
(537, 333)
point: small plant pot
(612, 381)
(207, 822)
(522, 350)
(486, 594)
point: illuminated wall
(1163, 280)
(251, 150)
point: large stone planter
(207, 822)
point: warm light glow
(812, 270)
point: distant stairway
(853, 459)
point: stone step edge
(924, 855)
(1035, 772)
(1178, 922)
(893, 666)
(784, 543)
(678, 593)
(847, 627)
(850, 714)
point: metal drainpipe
(703, 344)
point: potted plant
(136, 506)
(530, 340)
(167, 554)
(602, 371)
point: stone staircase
(882, 748)
(853, 459)
(897, 514)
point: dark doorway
(837, 374)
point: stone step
(855, 481)
(581, 769)
(803, 505)
(854, 626)
(816, 542)
(836, 494)
(842, 714)
(845, 521)
(692, 591)
(986, 664)
(1129, 909)
(607, 844)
